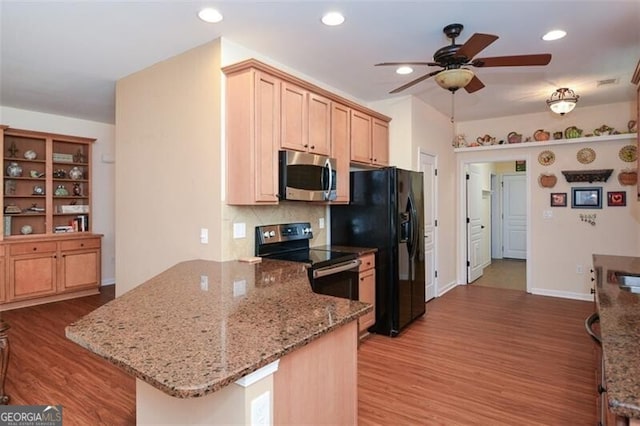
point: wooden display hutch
(47, 249)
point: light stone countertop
(202, 325)
(619, 312)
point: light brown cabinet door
(79, 270)
(319, 137)
(267, 121)
(341, 149)
(294, 118)
(360, 137)
(380, 142)
(32, 276)
(367, 294)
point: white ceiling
(64, 57)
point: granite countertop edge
(215, 383)
(619, 314)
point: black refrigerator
(386, 212)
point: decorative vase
(14, 170)
(75, 173)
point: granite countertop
(202, 325)
(619, 312)
(359, 251)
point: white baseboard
(108, 281)
(563, 294)
(446, 288)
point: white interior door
(428, 167)
(514, 202)
(475, 229)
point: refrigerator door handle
(414, 229)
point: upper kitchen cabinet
(306, 120)
(253, 137)
(341, 149)
(269, 110)
(369, 140)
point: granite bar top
(619, 312)
(202, 325)
(359, 251)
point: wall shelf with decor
(543, 144)
(587, 175)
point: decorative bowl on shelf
(26, 230)
(514, 137)
(30, 154)
(540, 135)
(572, 132)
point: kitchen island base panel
(318, 384)
(231, 405)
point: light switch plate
(321, 223)
(547, 214)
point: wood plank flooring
(510, 274)
(481, 356)
(45, 368)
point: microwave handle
(327, 165)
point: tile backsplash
(252, 216)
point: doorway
(496, 223)
(429, 169)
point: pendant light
(562, 101)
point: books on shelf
(76, 208)
(79, 223)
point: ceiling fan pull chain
(453, 103)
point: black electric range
(330, 272)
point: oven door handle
(330, 270)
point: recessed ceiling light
(332, 19)
(210, 15)
(404, 70)
(554, 35)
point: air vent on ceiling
(608, 82)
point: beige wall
(559, 244)
(168, 156)
(102, 167)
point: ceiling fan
(455, 58)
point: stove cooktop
(313, 257)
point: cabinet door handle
(313, 147)
(35, 249)
(362, 279)
(305, 145)
(593, 290)
(81, 244)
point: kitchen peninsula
(231, 342)
(619, 313)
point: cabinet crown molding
(255, 64)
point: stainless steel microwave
(306, 177)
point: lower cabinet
(42, 271)
(367, 289)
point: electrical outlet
(321, 223)
(239, 288)
(239, 230)
(547, 214)
(261, 409)
(579, 269)
(204, 236)
(204, 283)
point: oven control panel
(269, 234)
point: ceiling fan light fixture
(562, 101)
(403, 70)
(454, 79)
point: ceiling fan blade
(474, 85)
(475, 44)
(431, 64)
(416, 81)
(513, 61)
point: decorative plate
(586, 155)
(546, 158)
(628, 153)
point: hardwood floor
(509, 274)
(480, 356)
(483, 356)
(47, 369)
